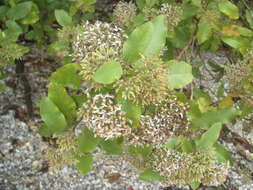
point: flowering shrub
(131, 89)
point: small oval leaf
(52, 116)
(149, 175)
(180, 74)
(209, 138)
(63, 17)
(108, 73)
(229, 9)
(84, 164)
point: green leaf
(84, 164)
(133, 111)
(63, 101)
(244, 31)
(149, 175)
(150, 3)
(13, 30)
(140, 3)
(143, 150)
(205, 120)
(45, 131)
(209, 138)
(195, 185)
(198, 93)
(204, 32)
(52, 116)
(222, 154)
(2, 87)
(57, 46)
(234, 42)
(239, 43)
(196, 3)
(33, 15)
(182, 35)
(138, 20)
(111, 146)
(187, 146)
(3, 11)
(63, 17)
(80, 99)
(172, 143)
(180, 74)
(229, 9)
(189, 11)
(87, 142)
(147, 39)
(108, 73)
(20, 10)
(249, 17)
(67, 76)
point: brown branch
(20, 67)
(192, 39)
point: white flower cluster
(124, 13)
(169, 120)
(105, 118)
(96, 36)
(172, 13)
(186, 168)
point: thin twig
(193, 37)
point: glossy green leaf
(20, 10)
(52, 116)
(87, 142)
(108, 73)
(84, 164)
(204, 32)
(147, 39)
(62, 100)
(209, 138)
(149, 175)
(222, 154)
(67, 76)
(63, 17)
(229, 9)
(180, 74)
